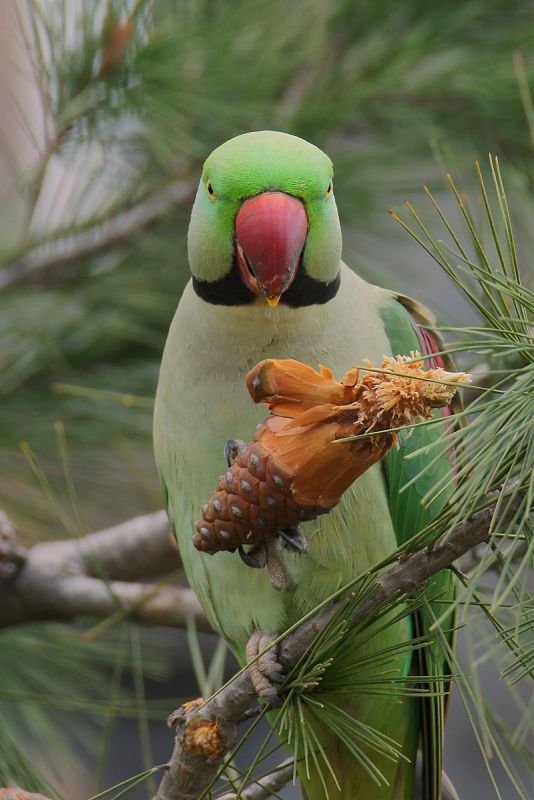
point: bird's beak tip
(273, 301)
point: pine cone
(253, 499)
(298, 465)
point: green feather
(410, 513)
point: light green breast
(202, 401)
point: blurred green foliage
(136, 94)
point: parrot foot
(232, 448)
(255, 557)
(265, 672)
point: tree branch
(72, 248)
(265, 787)
(65, 579)
(89, 577)
(206, 731)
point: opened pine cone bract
(296, 467)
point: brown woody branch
(265, 787)
(97, 575)
(207, 732)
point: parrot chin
(270, 232)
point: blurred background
(108, 110)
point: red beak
(270, 230)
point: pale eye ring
(330, 189)
(211, 193)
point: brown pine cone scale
(253, 499)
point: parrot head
(265, 224)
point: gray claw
(294, 538)
(232, 448)
(275, 701)
(255, 557)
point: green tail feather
(411, 511)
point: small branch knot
(178, 716)
(204, 738)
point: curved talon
(255, 557)
(266, 672)
(294, 538)
(277, 677)
(232, 448)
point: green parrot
(264, 248)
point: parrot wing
(407, 326)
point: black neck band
(231, 291)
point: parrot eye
(330, 189)
(211, 193)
